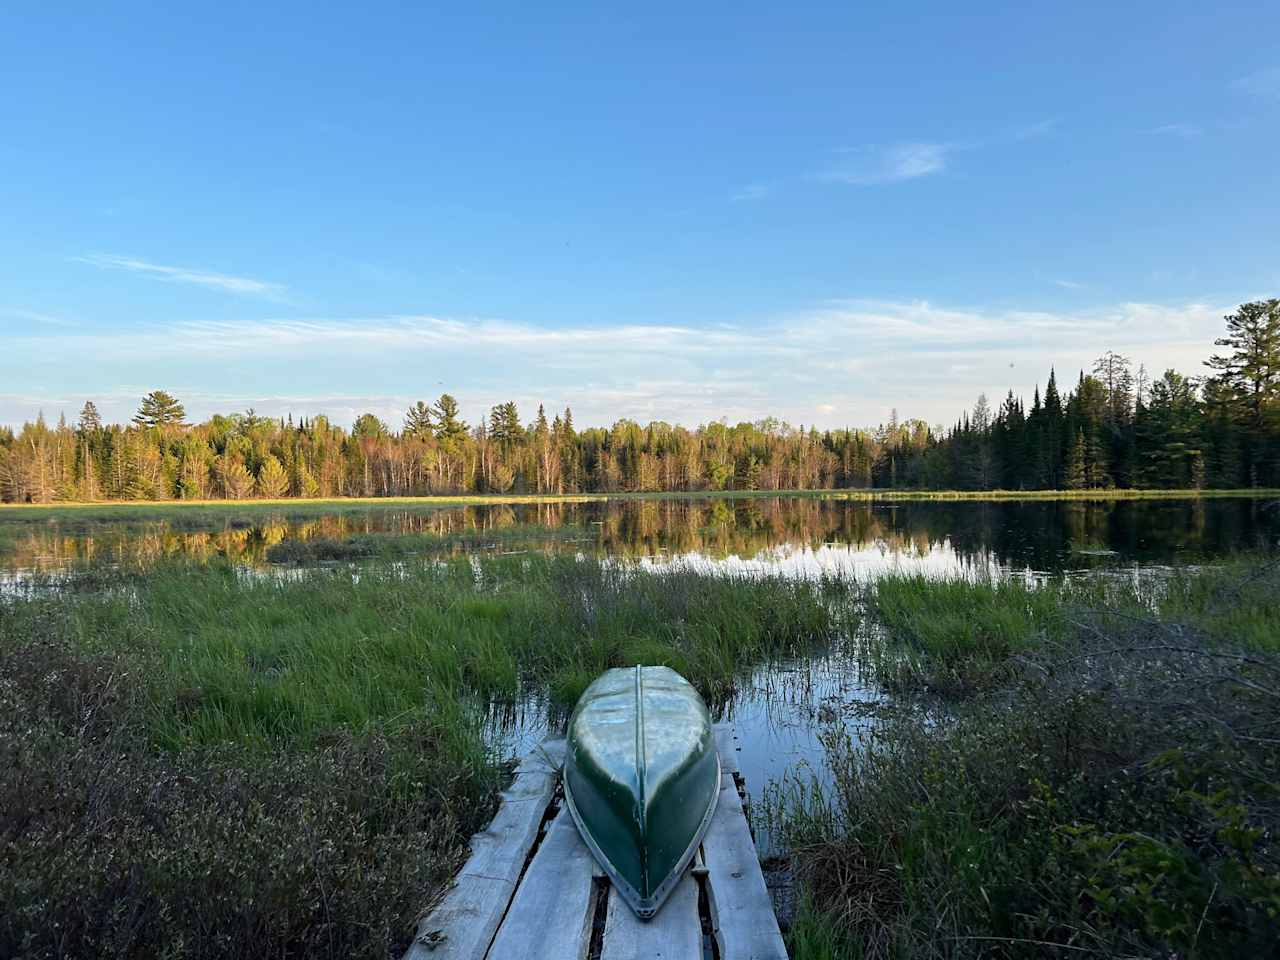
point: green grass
(1237, 602)
(958, 633)
(268, 659)
(207, 760)
(1103, 782)
(201, 761)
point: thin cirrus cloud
(1184, 131)
(1261, 83)
(867, 166)
(201, 278)
(34, 316)
(911, 160)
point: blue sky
(818, 212)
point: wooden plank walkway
(532, 891)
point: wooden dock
(532, 891)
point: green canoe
(641, 778)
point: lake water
(780, 714)
(785, 533)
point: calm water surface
(780, 714)
(796, 534)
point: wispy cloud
(896, 162)
(1261, 83)
(1183, 130)
(867, 166)
(203, 278)
(1033, 131)
(34, 316)
(752, 191)
(834, 363)
(1069, 284)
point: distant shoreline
(465, 500)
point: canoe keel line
(641, 779)
(532, 888)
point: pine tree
(1252, 368)
(1170, 433)
(448, 425)
(1251, 371)
(90, 421)
(369, 427)
(159, 409)
(273, 480)
(504, 425)
(417, 421)
(236, 480)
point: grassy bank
(108, 510)
(1089, 771)
(200, 762)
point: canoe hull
(641, 779)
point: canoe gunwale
(646, 907)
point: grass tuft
(200, 761)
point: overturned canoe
(641, 778)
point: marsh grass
(266, 659)
(957, 634)
(1109, 789)
(1235, 602)
(197, 760)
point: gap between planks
(499, 908)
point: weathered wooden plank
(727, 746)
(741, 912)
(674, 934)
(462, 926)
(550, 916)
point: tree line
(1115, 426)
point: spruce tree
(1074, 473)
(1053, 435)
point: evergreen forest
(1112, 426)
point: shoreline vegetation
(1114, 427)
(336, 504)
(203, 761)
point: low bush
(112, 846)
